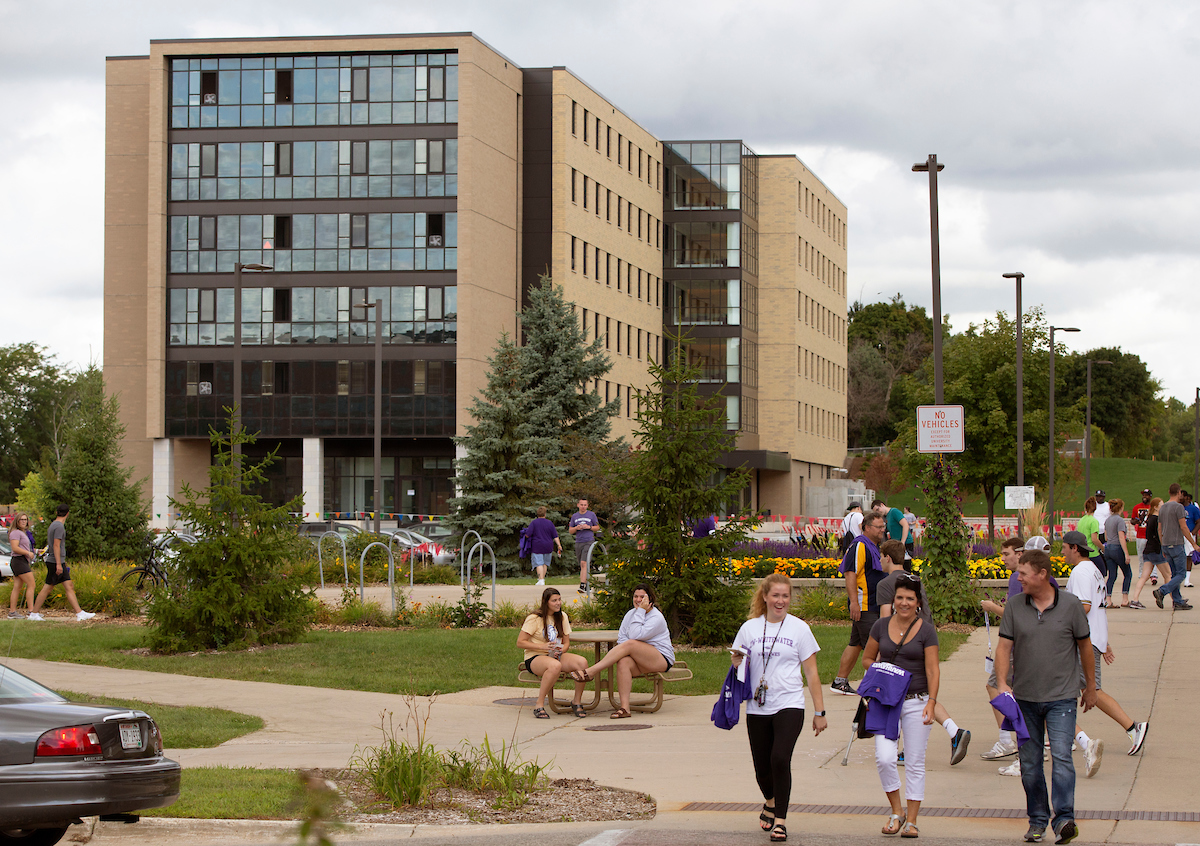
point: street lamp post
(378, 499)
(1087, 435)
(932, 167)
(1050, 495)
(1020, 384)
(237, 340)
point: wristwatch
(818, 713)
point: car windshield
(4, 545)
(15, 687)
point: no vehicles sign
(940, 428)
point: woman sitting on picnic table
(545, 636)
(643, 646)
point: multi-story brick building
(259, 192)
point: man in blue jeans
(1173, 530)
(1041, 635)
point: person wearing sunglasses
(909, 642)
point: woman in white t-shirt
(546, 636)
(776, 646)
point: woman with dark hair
(910, 643)
(1152, 556)
(1116, 552)
(20, 538)
(776, 646)
(643, 646)
(546, 636)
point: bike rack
(588, 560)
(345, 564)
(482, 547)
(412, 545)
(462, 548)
(391, 573)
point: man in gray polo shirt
(1173, 530)
(1042, 636)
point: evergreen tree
(505, 464)
(242, 583)
(673, 479)
(108, 517)
(559, 367)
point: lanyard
(987, 622)
(766, 656)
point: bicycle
(152, 570)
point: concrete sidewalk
(680, 758)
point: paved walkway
(680, 758)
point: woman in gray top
(643, 646)
(1116, 552)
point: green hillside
(1120, 477)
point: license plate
(131, 736)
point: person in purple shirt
(543, 538)
(704, 527)
(583, 526)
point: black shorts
(860, 629)
(529, 663)
(52, 575)
(20, 565)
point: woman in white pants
(910, 643)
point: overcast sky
(1069, 131)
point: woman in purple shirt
(543, 538)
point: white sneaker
(1092, 756)
(1001, 749)
(35, 617)
(1013, 769)
(541, 581)
(84, 615)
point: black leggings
(772, 739)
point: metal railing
(412, 551)
(483, 547)
(391, 572)
(321, 543)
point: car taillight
(156, 741)
(73, 740)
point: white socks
(1082, 740)
(951, 727)
(1006, 736)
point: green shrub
(98, 588)
(826, 601)
(436, 575)
(432, 615)
(509, 615)
(241, 583)
(583, 611)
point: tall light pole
(1087, 435)
(931, 166)
(378, 499)
(1050, 496)
(1020, 384)
(237, 341)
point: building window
(437, 84)
(597, 264)
(208, 160)
(358, 85)
(620, 141)
(585, 192)
(572, 252)
(597, 135)
(208, 88)
(585, 126)
(283, 86)
(608, 142)
(358, 230)
(574, 111)
(358, 157)
(283, 233)
(573, 173)
(607, 335)
(283, 158)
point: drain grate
(991, 813)
(620, 727)
(521, 701)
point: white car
(5, 559)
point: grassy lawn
(387, 661)
(185, 727)
(234, 793)
(1121, 477)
